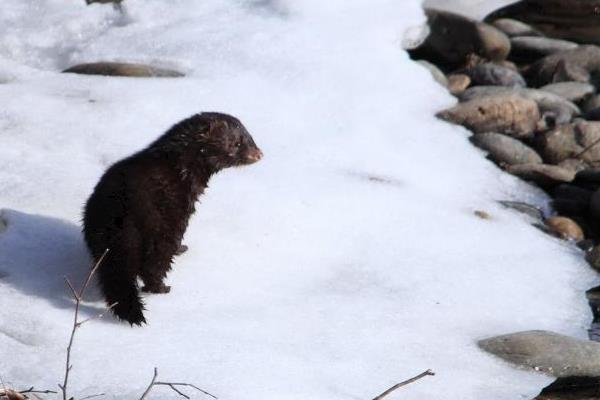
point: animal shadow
(37, 253)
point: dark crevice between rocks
(526, 79)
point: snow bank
(347, 260)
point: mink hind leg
(158, 256)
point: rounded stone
(528, 49)
(513, 27)
(547, 352)
(458, 83)
(565, 228)
(508, 114)
(542, 174)
(505, 150)
(580, 140)
(494, 75)
(453, 38)
(572, 91)
(123, 69)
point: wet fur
(141, 206)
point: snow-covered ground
(347, 260)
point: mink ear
(217, 128)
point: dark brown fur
(140, 208)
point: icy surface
(347, 260)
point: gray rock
(494, 75)
(572, 65)
(453, 38)
(593, 258)
(543, 175)
(436, 73)
(528, 49)
(576, 20)
(505, 150)
(513, 27)
(573, 164)
(591, 108)
(550, 105)
(508, 114)
(572, 91)
(579, 140)
(123, 69)
(524, 208)
(547, 352)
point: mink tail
(119, 286)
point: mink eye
(238, 144)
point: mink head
(216, 139)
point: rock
(572, 91)
(524, 208)
(576, 20)
(542, 174)
(577, 65)
(552, 106)
(588, 179)
(570, 207)
(565, 228)
(494, 75)
(482, 215)
(591, 108)
(458, 83)
(573, 164)
(509, 114)
(513, 27)
(572, 388)
(453, 38)
(547, 352)
(595, 204)
(579, 140)
(505, 150)
(527, 49)
(436, 73)
(572, 192)
(123, 69)
(593, 258)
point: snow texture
(345, 261)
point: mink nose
(254, 155)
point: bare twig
(99, 316)
(78, 296)
(92, 396)
(406, 382)
(173, 386)
(151, 385)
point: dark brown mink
(140, 208)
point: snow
(345, 261)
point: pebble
(458, 83)
(543, 175)
(552, 106)
(527, 49)
(572, 91)
(123, 69)
(494, 75)
(454, 38)
(513, 27)
(547, 352)
(565, 228)
(505, 150)
(508, 114)
(579, 140)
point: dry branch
(173, 386)
(406, 382)
(78, 296)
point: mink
(140, 208)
